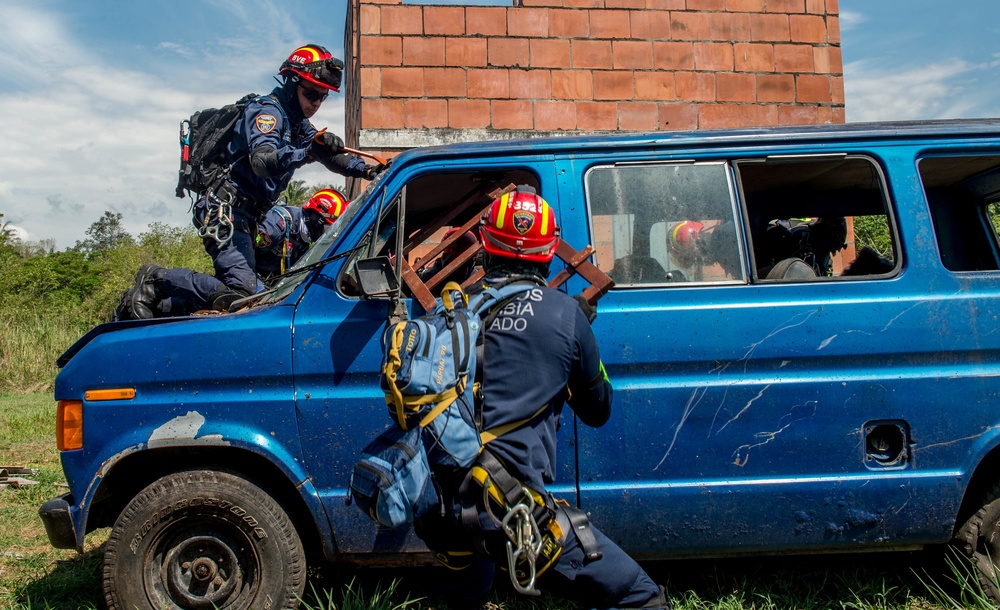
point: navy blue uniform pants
(234, 261)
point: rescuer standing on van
(539, 352)
(272, 140)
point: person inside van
(449, 254)
(696, 246)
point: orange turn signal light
(69, 425)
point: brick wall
(425, 74)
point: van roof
(951, 128)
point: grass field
(33, 575)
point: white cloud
(850, 20)
(944, 89)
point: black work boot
(223, 298)
(139, 301)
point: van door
(761, 387)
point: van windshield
(320, 249)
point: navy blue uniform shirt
(540, 344)
(271, 234)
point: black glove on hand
(373, 170)
(325, 145)
(589, 310)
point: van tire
(173, 545)
(979, 540)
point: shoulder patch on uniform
(266, 123)
(263, 239)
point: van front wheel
(203, 539)
(979, 540)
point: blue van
(802, 335)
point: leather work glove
(589, 310)
(325, 145)
(373, 170)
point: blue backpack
(428, 374)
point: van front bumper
(58, 522)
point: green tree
(104, 235)
(296, 193)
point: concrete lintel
(402, 139)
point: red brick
(489, 83)
(695, 86)
(807, 28)
(530, 84)
(444, 82)
(597, 116)
(632, 54)
(730, 27)
(569, 23)
(512, 114)
(658, 86)
(381, 114)
(735, 88)
(371, 82)
(825, 114)
(706, 5)
(758, 115)
(545, 53)
(625, 3)
(765, 27)
(402, 20)
(610, 24)
(837, 114)
(528, 22)
(775, 88)
(690, 26)
(718, 116)
(580, 3)
(616, 85)
(832, 7)
(837, 90)
(816, 7)
(468, 114)
(423, 51)
(420, 114)
(444, 20)
(554, 116)
(591, 53)
(485, 21)
(572, 85)
(793, 58)
(833, 29)
(714, 56)
(402, 82)
(673, 55)
(677, 117)
(754, 57)
(465, 52)
(370, 19)
(540, 3)
(650, 25)
(745, 6)
(836, 61)
(798, 115)
(507, 52)
(786, 6)
(381, 50)
(638, 116)
(821, 60)
(665, 5)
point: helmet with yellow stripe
(329, 203)
(314, 64)
(520, 225)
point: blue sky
(91, 92)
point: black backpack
(204, 139)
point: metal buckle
(525, 542)
(218, 226)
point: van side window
(963, 193)
(817, 218)
(664, 224)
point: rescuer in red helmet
(539, 351)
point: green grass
(35, 576)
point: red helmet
(459, 245)
(683, 240)
(316, 65)
(520, 225)
(328, 203)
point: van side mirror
(377, 277)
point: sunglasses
(312, 95)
